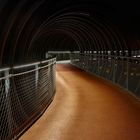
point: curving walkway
(87, 108)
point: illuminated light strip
(136, 56)
(45, 61)
(47, 65)
(32, 70)
(26, 65)
(18, 74)
(4, 69)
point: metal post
(8, 104)
(36, 75)
(114, 69)
(46, 55)
(98, 61)
(7, 82)
(127, 78)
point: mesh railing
(61, 56)
(124, 71)
(25, 93)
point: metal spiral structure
(88, 29)
(29, 29)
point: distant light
(57, 52)
(136, 55)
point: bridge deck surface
(86, 107)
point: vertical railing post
(36, 75)
(7, 82)
(127, 74)
(98, 61)
(8, 103)
(114, 69)
(46, 55)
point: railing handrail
(120, 70)
(25, 91)
(108, 55)
(51, 61)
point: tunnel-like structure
(99, 37)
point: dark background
(19, 19)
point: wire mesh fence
(25, 93)
(61, 55)
(124, 71)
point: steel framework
(124, 71)
(25, 93)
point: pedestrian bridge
(87, 107)
(95, 95)
(88, 100)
